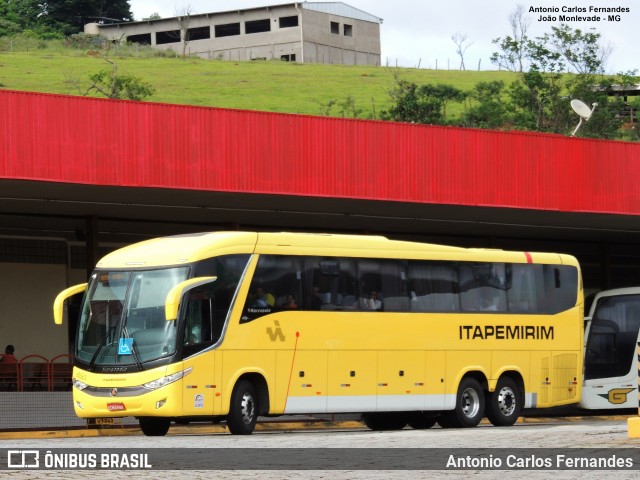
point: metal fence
(37, 373)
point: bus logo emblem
(277, 333)
(114, 392)
(617, 396)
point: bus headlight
(79, 385)
(161, 382)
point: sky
(419, 32)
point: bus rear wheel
(385, 421)
(421, 420)
(505, 404)
(469, 406)
(154, 427)
(243, 411)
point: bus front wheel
(469, 406)
(243, 411)
(154, 427)
(505, 404)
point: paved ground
(558, 434)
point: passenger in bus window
(316, 300)
(489, 303)
(9, 356)
(373, 302)
(196, 334)
(263, 299)
(290, 302)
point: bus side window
(329, 283)
(483, 287)
(561, 286)
(276, 285)
(202, 327)
(395, 285)
(526, 281)
(434, 287)
(370, 285)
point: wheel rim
(506, 401)
(248, 408)
(470, 403)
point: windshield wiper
(102, 344)
(134, 348)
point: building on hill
(307, 32)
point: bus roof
(183, 249)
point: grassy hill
(270, 86)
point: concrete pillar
(91, 241)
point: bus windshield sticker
(125, 346)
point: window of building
(257, 26)
(287, 22)
(335, 28)
(169, 36)
(288, 58)
(227, 30)
(199, 33)
(348, 30)
(142, 39)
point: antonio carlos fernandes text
(533, 461)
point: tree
(17, 16)
(608, 118)
(119, 86)
(153, 16)
(489, 109)
(512, 48)
(422, 103)
(583, 51)
(115, 85)
(461, 46)
(65, 17)
(183, 15)
(539, 98)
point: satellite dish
(583, 111)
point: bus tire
(243, 411)
(154, 427)
(421, 420)
(444, 421)
(385, 421)
(469, 406)
(505, 404)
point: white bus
(611, 360)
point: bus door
(610, 364)
(203, 325)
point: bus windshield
(611, 345)
(122, 320)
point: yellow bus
(235, 325)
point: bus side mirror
(172, 302)
(58, 304)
